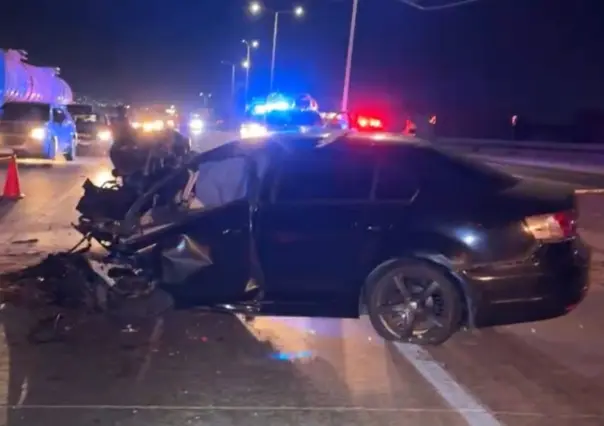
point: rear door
(312, 239)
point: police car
(353, 121)
(281, 114)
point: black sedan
(423, 242)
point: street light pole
(233, 82)
(247, 69)
(248, 62)
(256, 8)
(275, 31)
(232, 65)
(353, 23)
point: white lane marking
(542, 179)
(286, 408)
(24, 392)
(589, 191)
(5, 374)
(473, 412)
(154, 341)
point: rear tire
(70, 154)
(428, 295)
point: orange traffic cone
(12, 187)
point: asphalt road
(199, 368)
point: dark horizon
(539, 58)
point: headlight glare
(39, 133)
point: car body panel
(548, 284)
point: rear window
(468, 171)
(80, 109)
(25, 112)
(395, 182)
(406, 169)
(88, 118)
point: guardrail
(580, 157)
(558, 147)
(570, 156)
(482, 144)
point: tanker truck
(34, 120)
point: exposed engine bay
(154, 238)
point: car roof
(296, 142)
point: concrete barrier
(591, 155)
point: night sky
(543, 58)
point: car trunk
(530, 198)
(501, 217)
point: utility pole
(353, 24)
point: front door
(312, 242)
(61, 128)
(204, 255)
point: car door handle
(373, 228)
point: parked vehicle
(93, 128)
(38, 129)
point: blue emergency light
(279, 102)
(261, 109)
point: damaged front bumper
(66, 288)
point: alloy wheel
(410, 307)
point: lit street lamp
(256, 8)
(206, 97)
(353, 23)
(247, 63)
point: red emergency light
(369, 123)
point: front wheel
(414, 301)
(52, 149)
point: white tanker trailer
(22, 82)
(33, 115)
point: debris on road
(29, 241)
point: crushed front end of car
(156, 239)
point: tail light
(552, 227)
